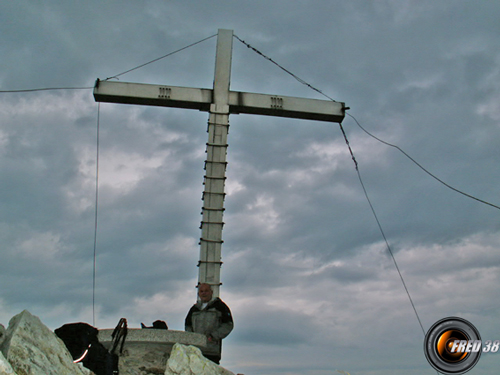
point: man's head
(205, 292)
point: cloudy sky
(306, 272)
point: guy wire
(420, 166)
(356, 167)
(159, 58)
(388, 247)
(97, 166)
(47, 89)
(96, 205)
(284, 69)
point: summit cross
(219, 102)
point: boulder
(2, 334)
(32, 349)
(188, 360)
(5, 367)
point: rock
(2, 334)
(188, 360)
(5, 367)
(32, 349)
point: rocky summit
(28, 347)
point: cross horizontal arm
(239, 102)
(286, 106)
(156, 95)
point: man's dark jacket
(214, 321)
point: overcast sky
(307, 274)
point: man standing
(210, 317)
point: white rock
(31, 348)
(5, 367)
(188, 360)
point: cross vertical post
(215, 167)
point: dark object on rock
(158, 324)
(84, 346)
(77, 337)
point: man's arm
(226, 321)
(188, 323)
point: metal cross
(219, 102)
